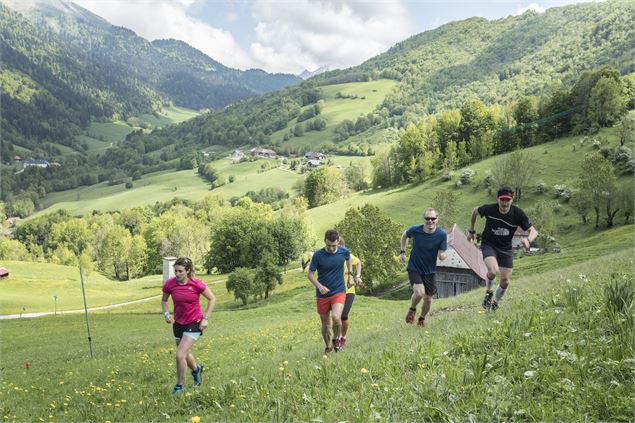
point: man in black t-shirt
(501, 221)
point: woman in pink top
(188, 321)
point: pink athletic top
(187, 309)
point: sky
(291, 36)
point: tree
(516, 170)
(625, 130)
(627, 200)
(542, 215)
(242, 237)
(176, 232)
(384, 164)
(357, 176)
(240, 282)
(114, 251)
(11, 249)
(324, 185)
(607, 103)
(447, 128)
(525, 114)
(581, 203)
(266, 277)
(374, 238)
(445, 202)
(597, 179)
(74, 234)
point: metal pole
(90, 341)
(55, 297)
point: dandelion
(286, 363)
(281, 369)
(196, 419)
(363, 370)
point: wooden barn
(463, 269)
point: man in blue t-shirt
(501, 221)
(429, 242)
(330, 287)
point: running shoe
(494, 306)
(328, 350)
(410, 317)
(337, 344)
(421, 322)
(198, 375)
(487, 301)
(178, 389)
(343, 341)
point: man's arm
(533, 234)
(442, 255)
(471, 232)
(404, 242)
(311, 275)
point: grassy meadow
(559, 162)
(357, 98)
(100, 135)
(560, 348)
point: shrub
(562, 191)
(466, 176)
(447, 176)
(541, 187)
(129, 185)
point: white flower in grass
(530, 373)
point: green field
(101, 135)
(557, 350)
(335, 110)
(186, 184)
(160, 186)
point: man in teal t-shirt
(429, 242)
(330, 286)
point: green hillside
(563, 330)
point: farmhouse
(4, 273)
(35, 162)
(314, 155)
(463, 269)
(263, 152)
(313, 164)
(236, 155)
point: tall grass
(537, 358)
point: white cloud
(534, 7)
(169, 19)
(307, 34)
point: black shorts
(178, 329)
(504, 258)
(347, 305)
(429, 281)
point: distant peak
(307, 74)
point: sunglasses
(430, 219)
(505, 200)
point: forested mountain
(496, 62)
(62, 65)
(543, 56)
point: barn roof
(469, 254)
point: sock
(499, 293)
(488, 284)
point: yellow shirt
(354, 261)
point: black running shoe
(487, 301)
(494, 306)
